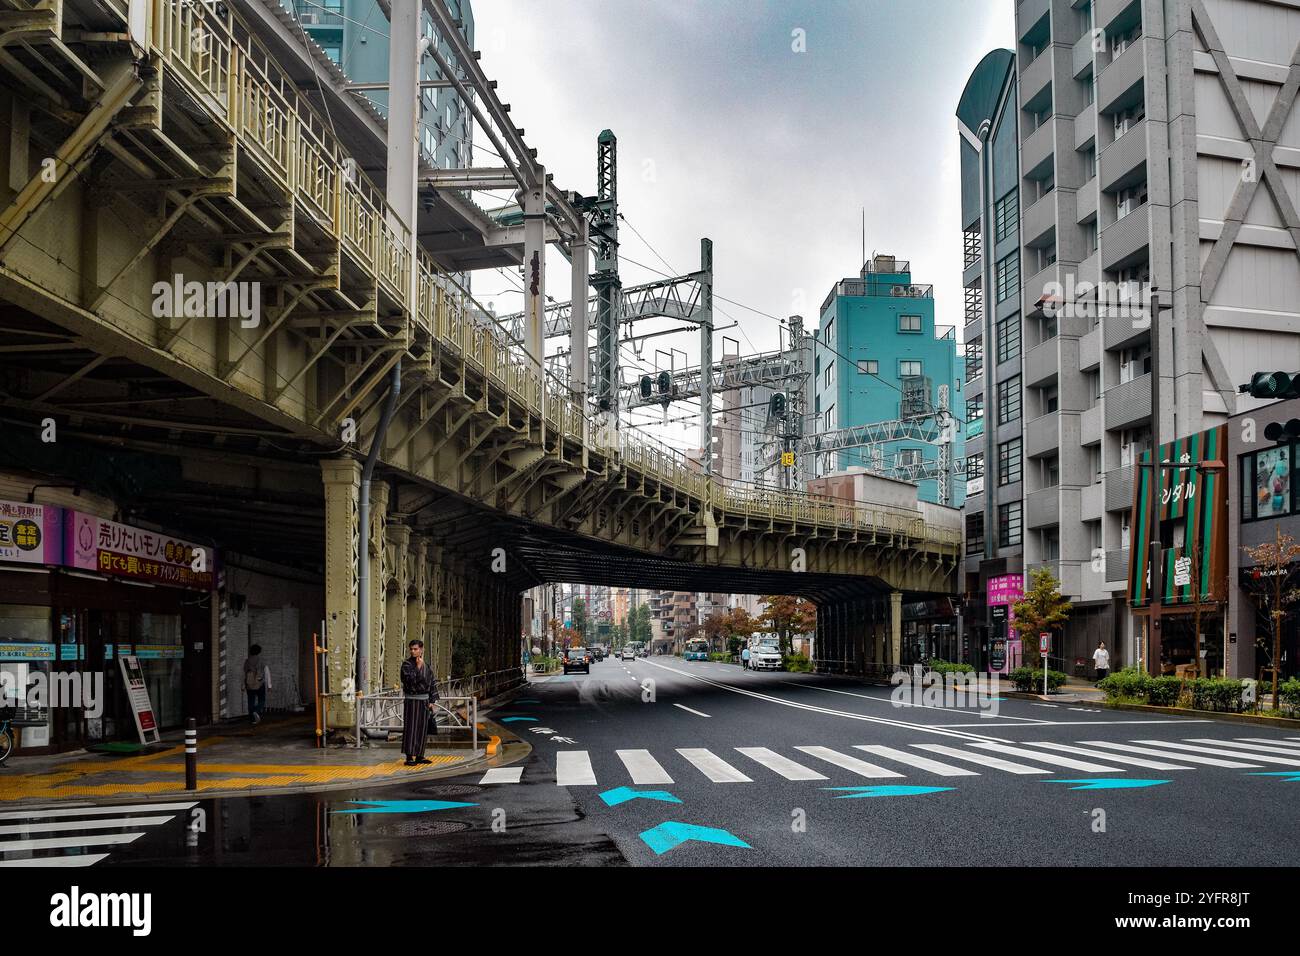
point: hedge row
(1201, 693)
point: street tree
(1273, 586)
(1041, 609)
(787, 617)
(579, 616)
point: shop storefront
(90, 593)
(930, 631)
(1004, 652)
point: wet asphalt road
(753, 759)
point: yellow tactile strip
(95, 776)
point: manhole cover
(428, 828)
(452, 790)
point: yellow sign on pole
(787, 459)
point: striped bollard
(191, 755)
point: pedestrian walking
(420, 690)
(1101, 660)
(257, 681)
(744, 658)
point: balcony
(1090, 349)
(1065, 572)
(1126, 241)
(1037, 150)
(1123, 161)
(1038, 220)
(1085, 202)
(1028, 13)
(1037, 287)
(1082, 60)
(1085, 126)
(1092, 502)
(1035, 78)
(1119, 488)
(1129, 403)
(1090, 425)
(1042, 435)
(1105, 12)
(1117, 565)
(1116, 83)
(1125, 323)
(1042, 363)
(1043, 508)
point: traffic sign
(787, 459)
(1044, 643)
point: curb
(1050, 698)
(1284, 723)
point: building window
(1009, 524)
(975, 409)
(1130, 200)
(1050, 399)
(1006, 215)
(869, 367)
(974, 467)
(1008, 277)
(1134, 363)
(830, 333)
(1008, 335)
(1266, 490)
(1009, 462)
(975, 533)
(1126, 120)
(830, 418)
(909, 367)
(909, 456)
(909, 323)
(830, 374)
(1009, 400)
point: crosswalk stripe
(96, 811)
(1083, 752)
(1262, 746)
(1185, 758)
(573, 769)
(784, 766)
(642, 767)
(1264, 740)
(1046, 758)
(983, 760)
(1221, 752)
(916, 760)
(845, 762)
(17, 829)
(503, 775)
(58, 843)
(79, 859)
(712, 766)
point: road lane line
(1049, 758)
(1076, 723)
(97, 811)
(116, 823)
(1083, 752)
(875, 698)
(1220, 752)
(642, 767)
(691, 710)
(712, 766)
(573, 769)
(916, 760)
(845, 762)
(983, 760)
(503, 775)
(1185, 758)
(783, 765)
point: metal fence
(380, 714)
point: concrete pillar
(342, 479)
(895, 627)
(417, 596)
(396, 625)
(878, 629)
(379, 574)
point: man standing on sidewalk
(257, 681)
(420, 690)
(1101, 659)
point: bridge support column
(342, 479)
(417, 599)
(396, 624)
(895, 627)
(379, 574)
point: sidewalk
(277, 756)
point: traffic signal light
(665, 381)
(776, 405)
(1273, 385)
(1288, 432)
(647, 386)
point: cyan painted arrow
(887, 790)
(1292, 776)
(403, 806)
(515, 720)
(664, 837)
(619, 795)
(1111, 783)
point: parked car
(764, 657)
(577, 658)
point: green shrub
(1288, 693)
(797, 664)
(1127, 684)
(948, 667)
(1030, 679)
(1216, 693)
(1164, 691)
(720, 658)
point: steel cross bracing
(770, 369)
(677, 298)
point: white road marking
(1077, 723)
(77, 859)
(1185, 758)
(503, 775)
(845, 762)
(984, 760)
(784, 766)
(915, 760)
(1280, 743)
(875, 698)
(1045, 705)
(712, 766)
(690, 710)
(1135, 761)
(573, 769)
(58, 843)
(116, 823)
(1048, 758)
(1261, 746)
(88, 811)
(1220, 752)
(642, 767)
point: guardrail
(230, 73)
(381, 714)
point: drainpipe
(363, 552)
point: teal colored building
(876, 331)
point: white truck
(764, 656)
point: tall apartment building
(1158, 157)
(877, 332)
(993, 511)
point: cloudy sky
(727, 130)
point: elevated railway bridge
(155, 147)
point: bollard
(191, 755)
